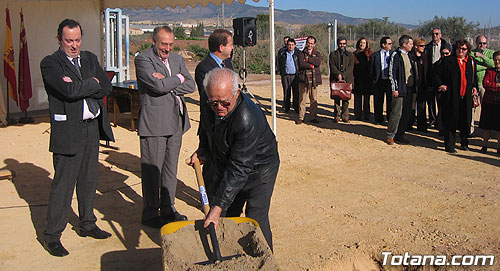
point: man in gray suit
(163, 79)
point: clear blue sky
(412, 12)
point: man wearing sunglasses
(433, 52)
(244, 149)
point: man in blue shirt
(288, 68)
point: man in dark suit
(220, 44)
(433, 52)
(162, 79)
(379, 70)
(75, 85)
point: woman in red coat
(490, 109)
(457, 81)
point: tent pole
(273, 64)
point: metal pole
(329, 44)
(335, 35)
(119, 43)
(127, 46)
(273, 65)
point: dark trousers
(362, 106)
(159, 159)
(257, 196)
(421, 112)
(431, 105)
(463, 127)
(382, 88)
(290, 88)
(79, 169)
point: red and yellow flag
(25, 91)
(9, 70)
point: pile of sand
(241, 244)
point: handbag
(475, 100)
(340, 90)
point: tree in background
(198, 31)
(262, 27)
(453, 28)
(179, 33)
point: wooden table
(127, 90)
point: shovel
(206, 209)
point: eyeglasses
(421, 45)
(446, 53)
(482, 43)
(389, 43)
(224, 103)
(435, 34)
(463, 48)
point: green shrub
(144, 46)
(199, 51)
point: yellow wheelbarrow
(187, 245)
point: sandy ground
(342, 197)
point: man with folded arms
(75, 84)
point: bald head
(221, 86)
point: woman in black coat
(456, 79)
(363, 87)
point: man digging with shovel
(242, 148)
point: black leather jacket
(240, 146)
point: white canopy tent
(41, 18)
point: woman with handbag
(457, 81)
(490, 109)
(363, 87)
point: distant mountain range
(293, 16)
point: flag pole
(26, 119)
(10, 121)
(24, 85)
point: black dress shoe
(55, 248)
(95, 233)
(176, 216)
(314, 121)
(464, 147)
(451, 151)
(155, 222)
(484, 150)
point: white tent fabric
(41, 18)
(163, 3)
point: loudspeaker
(245, 31)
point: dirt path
(342, 197)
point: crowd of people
(433, 85)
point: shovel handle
(201, 185)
